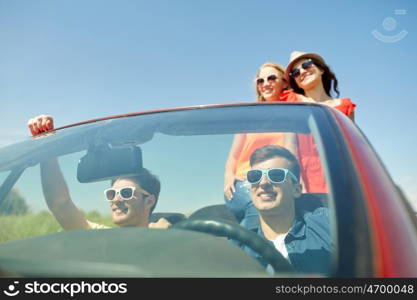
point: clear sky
(78, 60)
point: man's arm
(57, 197)
(55, 189)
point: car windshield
(188, 151)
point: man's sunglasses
(305, 65)
(126, 193)
(261, 80)
(276, 175)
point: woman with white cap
(312, 79)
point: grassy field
(33, 224)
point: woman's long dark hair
(328, 78)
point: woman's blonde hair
(277, 67)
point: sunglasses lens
(126, 193)
(259, 81)
(110, 194)
(254, 176)
(295, 73)
(272, 77)
(307, 64)
(276, 175)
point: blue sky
(79, 60)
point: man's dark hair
(268, 152)
(147, 181)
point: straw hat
(296, 56)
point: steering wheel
(242, 235)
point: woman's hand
(229, 186)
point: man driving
(301, 236)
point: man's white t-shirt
(93, 225)
(279, 244)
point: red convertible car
(373, 228)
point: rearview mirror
(105, 162)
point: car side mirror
(105, 162)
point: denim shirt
(309, 243)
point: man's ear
(150, 201)
(297, 189)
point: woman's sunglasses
(276, 175)
(126, 193)
(270, 78)
(305, 65)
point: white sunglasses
(126, 193)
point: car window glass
(188, 156)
